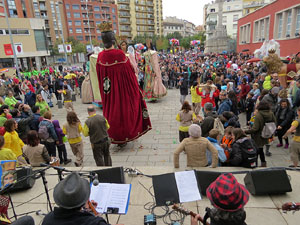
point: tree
(77, 46)
(175, 35)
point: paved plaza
(157, 146)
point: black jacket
(208, 123)
(288, 118)
(184, 87)
(236, 156)
(62, 216)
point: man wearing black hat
(71, 194)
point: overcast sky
(191, 10)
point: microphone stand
(45, 183)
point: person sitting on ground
(213, 137)
(226, 142)
(10, 100)
(34, 123)
(71, 195)
(185, 117)
(34, 151)
(241, 144)
(228, 198)
(4, 114)
(6, 153)
(229, 119)
(195, 148)
(12, 140)
(209, 119)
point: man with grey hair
(96, 127)
(226, 103)
(209, 118)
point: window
(228, 8)
(262, 30)
(114, 17)
(97, 16)
(68, 14)
(96, 8)
(256, 31)
(212, 10)
(79, 38)
(67, 6)
(78, 30)
(75, 7)
(267, 28)
(297, 31)
(289, 23)
(244, 36)
(235, 18)
(76, 15)
(280, 21)
(71, 31)
(234, 26)
(99, 38)
(40, 40)
(98, 23)
(37, 15)
(98, 31)
(113, 10)
(70, 22)
(224, 19)
(77, 23)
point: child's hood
(56, 123)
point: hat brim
(82, 198)
(244, 193)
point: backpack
(268, 130)
(219, 126)
(43, 132)
(249, 155)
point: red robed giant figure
(123, 104)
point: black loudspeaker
(263, 182)
(111, 175)
(25, 183)
(205, 178)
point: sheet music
(111, 195)
(187, 186)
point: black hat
(72, 192)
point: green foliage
(77, 46)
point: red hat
(227, 194)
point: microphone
(95, 181)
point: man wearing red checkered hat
(228, 198)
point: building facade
(250, 6)
(30, 42)
(279, 20)
(84, 17)
(173, 24)
(140, 17)
(232, 11)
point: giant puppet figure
(122, 100)
(285, 71)
(153, 86)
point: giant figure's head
(108, 36)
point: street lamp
(63, 38)
(11, 40)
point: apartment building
(173, 24)
(140, 17)
(83, 18)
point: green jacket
(10, 101)
(261, 117)
(267, 83)
(43, 107)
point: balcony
(124, 15)
(43, 8)
(124, 7)
(124, 1)
(126, 29)
(124, 21)
(254, 5)
(150, 3)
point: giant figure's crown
(105, 27)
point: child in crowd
(196, 99)
(73, 129)
(67, 98)
(227, 141)
(186, 117)
(61, 147)
(214, 136)
(249, 106)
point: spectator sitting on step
(214, 136)
(195, 148)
